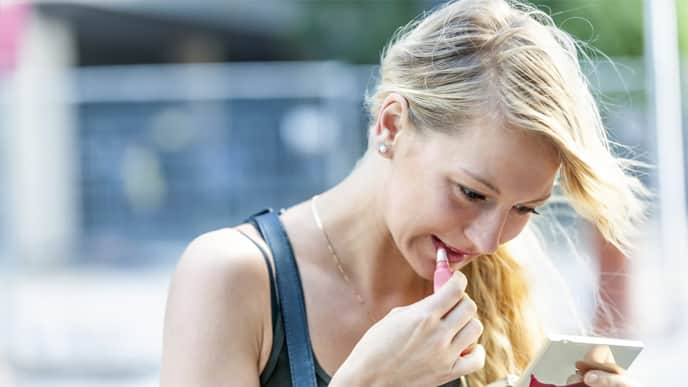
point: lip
(453, 254)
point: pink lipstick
(442, 270)
(442, 274)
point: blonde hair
(472, 58)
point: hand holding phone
(563, 360)
(561, 356)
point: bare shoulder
(226, 268)
(216, 312)
(219, 256)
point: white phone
(556, 360)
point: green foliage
(615, 27)
(352, 30)
(682, 10)
(356, 30)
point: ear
(392, 120)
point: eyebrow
(493, 188)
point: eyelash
(474, 196)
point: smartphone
(557, 358)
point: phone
(557, 358)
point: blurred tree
(615, 27)
(351, 30)
(682, 11)
(356, 30)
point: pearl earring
(382, 148)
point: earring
(382, 148)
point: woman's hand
(599, 369)
(420, 344)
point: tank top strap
(291, 301)
(274, 298)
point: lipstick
(454, 255)
(442, 274)
(442, 270)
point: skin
(596, 378)
(380, 220)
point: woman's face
(468, 192)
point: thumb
(600, 354)
(448, 295)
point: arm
(214, 317)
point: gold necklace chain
(318, 222)
(343, 273)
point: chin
(424, 267)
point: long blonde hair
(472, 58)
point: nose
(485, 231)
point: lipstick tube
(442, 270)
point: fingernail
(591, 378)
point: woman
(481, 108)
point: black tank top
(277, 372)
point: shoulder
(222, 257)
(217, 307)
(222, 263)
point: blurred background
(129, 127)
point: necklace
(343, 273)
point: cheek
(446, 211)
(420, 211)
(459, 210)
(416, 197)
(514, 227)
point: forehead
(513, 159)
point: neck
(353, 219)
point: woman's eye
(475, 196)
(471, 195)
(526, 210)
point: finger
(468, 335)
(587, 365)
(474, 361)
(458, 317)
(605, 379)
(448, 295)
(600, 354)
